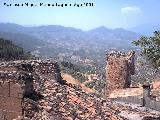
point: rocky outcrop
(120, 67)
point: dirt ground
(71, 80)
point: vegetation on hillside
(9, 51)
(74, 70)
(27, 42)
(80, 72)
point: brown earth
(71, 80)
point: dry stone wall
(18, 80)
(49, 69)
(120, 67)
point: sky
(109, 13)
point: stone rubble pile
(62, 102)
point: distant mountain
(27, 42)
(68, 43)
(146, 29)
(116, 36)
(10, 27)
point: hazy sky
(109, 13)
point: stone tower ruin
(120, 67)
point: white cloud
(131, 9)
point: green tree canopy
(150, 48)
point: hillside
(73, 81)
(27, 42)
(70, 41)
(9, 51)
(59, 42)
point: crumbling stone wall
(17, 81)
(49, 69)
(120, 67)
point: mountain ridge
(54, 41)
